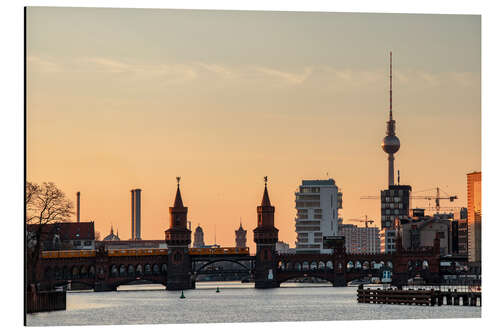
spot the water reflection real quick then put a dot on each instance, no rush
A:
(236, 302)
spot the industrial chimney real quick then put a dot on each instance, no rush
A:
(138, 213)
(77, 206)
(132, 205)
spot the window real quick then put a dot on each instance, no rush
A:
(77, 243)
(87, 243)
(307, 228)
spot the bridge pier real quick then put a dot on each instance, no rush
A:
(102, 286)
(180, 281)
(399, 279)
(339, 281)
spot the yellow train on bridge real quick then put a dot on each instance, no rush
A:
(219, 251)
(143, 252)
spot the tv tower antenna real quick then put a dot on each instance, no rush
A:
(390, 144)
(390, 90)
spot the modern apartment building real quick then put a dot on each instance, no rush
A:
(462, 232)
(474, 216)
(360, 240)
(317, 203)
(395, 203)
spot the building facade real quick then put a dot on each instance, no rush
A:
(241, 237)
(360, 240)
(420, 231)
(65, 235)
(284, 248)
(395, 204)
(317, 203)
(462, 232)
(132, 244)
(198, 238)
(474, 216)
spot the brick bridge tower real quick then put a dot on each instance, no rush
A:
(265, 237)
(178, 237)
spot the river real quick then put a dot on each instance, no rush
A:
(236, 302)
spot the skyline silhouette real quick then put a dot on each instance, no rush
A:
(131, 98)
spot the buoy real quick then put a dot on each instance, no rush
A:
(217, 291)
(182, 294)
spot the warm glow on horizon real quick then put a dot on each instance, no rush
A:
(119, 99)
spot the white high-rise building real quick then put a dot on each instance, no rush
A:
(360, 240)
(317, 204)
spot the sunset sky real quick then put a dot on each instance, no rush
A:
(131, 98)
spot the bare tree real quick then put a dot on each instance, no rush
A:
(44, 204)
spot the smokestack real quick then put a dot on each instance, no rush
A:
(77, 206)
(138, 213)
(132, 233)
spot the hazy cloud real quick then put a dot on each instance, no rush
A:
(179, 73)
(42, 65)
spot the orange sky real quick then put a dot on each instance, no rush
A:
(124, 98)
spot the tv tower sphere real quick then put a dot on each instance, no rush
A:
(390, 144)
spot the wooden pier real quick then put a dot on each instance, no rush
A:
(45, 301)
(420, 296)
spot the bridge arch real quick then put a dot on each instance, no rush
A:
(219, 260)
(315, 274)
(113, 271)
(75, 272)
(349, 265)
(91, 271)
(84, 272)
(123, 270)
(139, 271)
(129, 280)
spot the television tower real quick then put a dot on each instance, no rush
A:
(391, 144)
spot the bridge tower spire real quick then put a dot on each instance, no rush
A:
(265, 237)
(178, 238)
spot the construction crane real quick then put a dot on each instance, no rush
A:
(366, 221)
(436, 198)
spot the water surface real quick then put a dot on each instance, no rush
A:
(236, 302)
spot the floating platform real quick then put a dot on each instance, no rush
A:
(420, 296)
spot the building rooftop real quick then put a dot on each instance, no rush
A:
(66, 230)
(318, 182)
